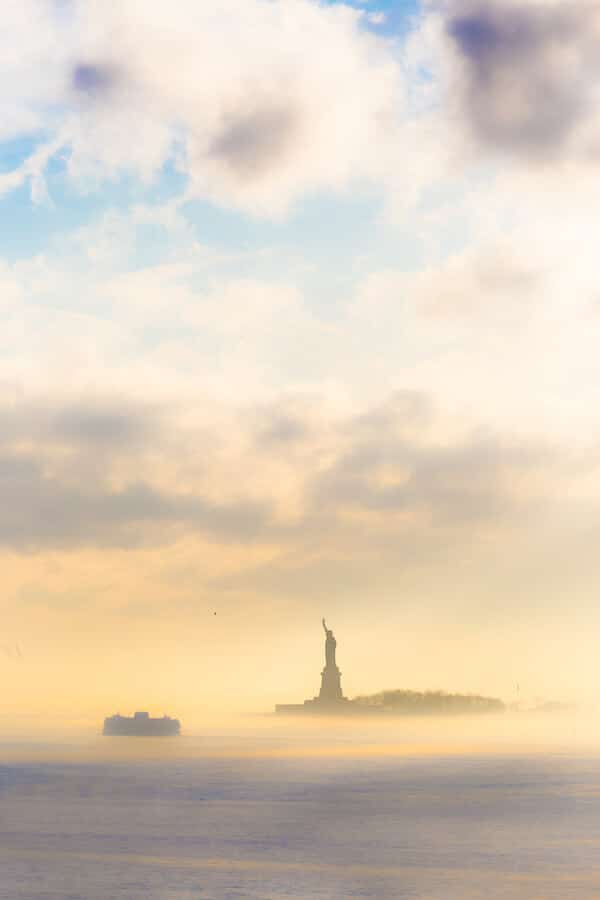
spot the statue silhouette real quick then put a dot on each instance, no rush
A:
(331, 688)
(330, 645)
(330, 698)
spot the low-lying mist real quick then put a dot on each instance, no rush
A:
(510, 732)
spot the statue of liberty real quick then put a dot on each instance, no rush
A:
(330, 645)
(330, 699)
(331, 687)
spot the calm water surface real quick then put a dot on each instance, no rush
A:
(440, 827)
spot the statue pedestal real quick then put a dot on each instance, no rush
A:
(331, 685)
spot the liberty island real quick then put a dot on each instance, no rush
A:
(331, 700)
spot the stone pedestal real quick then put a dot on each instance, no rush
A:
(331, 685)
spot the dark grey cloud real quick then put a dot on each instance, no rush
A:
(101, 424)
(395, 504)
(286, 425)
(385, 460)
(402, 412)
(57, 466)
(387, 466)
(529, 71)
(93, 79)
(82, 474)
(40, 510)
(283, 429)
(253, 141)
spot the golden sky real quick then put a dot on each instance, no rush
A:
(300, 319)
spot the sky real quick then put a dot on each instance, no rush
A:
(300, 319)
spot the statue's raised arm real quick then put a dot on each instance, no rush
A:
(325, 629)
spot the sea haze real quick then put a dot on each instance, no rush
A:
(199, 824)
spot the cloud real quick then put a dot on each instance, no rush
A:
(385, 471)
(256, 102)
(95, 422)
(42, 511)
(495, 284)
(115, 474)
(92, 79)
(528, 74)
(281, 427)
(472, 330)
(82, 473)
(34, 64)
(100, 426)
(252, 144)
(389, 493)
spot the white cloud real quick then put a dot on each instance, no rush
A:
(504, 332)
(34, 65)
(258, 101)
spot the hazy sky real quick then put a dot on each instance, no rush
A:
(301, 317)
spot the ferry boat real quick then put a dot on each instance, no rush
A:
(141, 725)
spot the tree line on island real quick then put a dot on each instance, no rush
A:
(428, 703)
